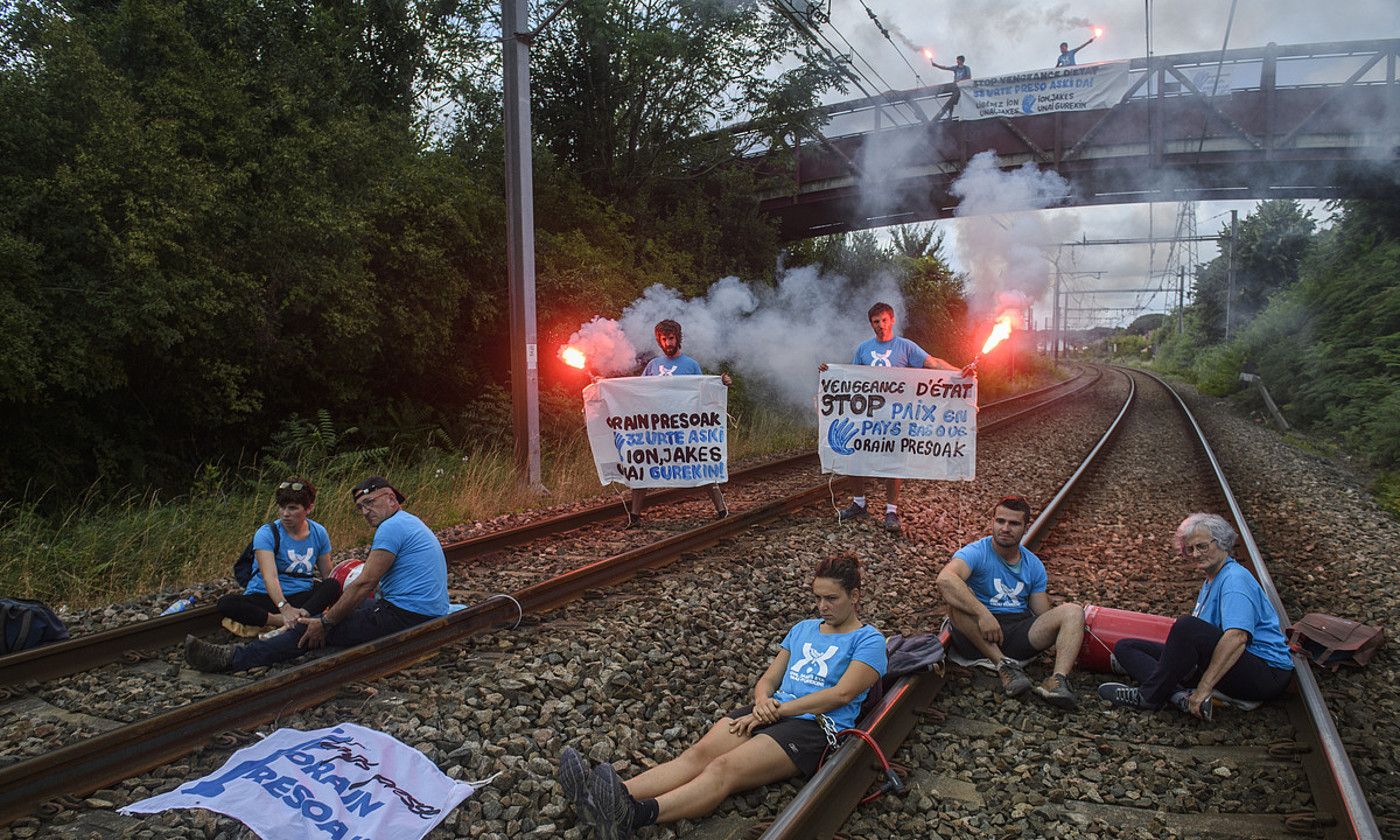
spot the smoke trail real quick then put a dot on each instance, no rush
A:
(606, 347)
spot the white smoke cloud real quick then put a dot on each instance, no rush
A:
(605, 346)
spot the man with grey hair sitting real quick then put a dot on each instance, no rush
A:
(1231, 641)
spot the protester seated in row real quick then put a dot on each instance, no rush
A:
(1231, 641)
(407, 566)
(996, 595)
(812, 689)
(287, 553)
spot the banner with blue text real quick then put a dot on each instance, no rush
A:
(1085, 87)
(897, 422)
(659, 431)
(342, 782)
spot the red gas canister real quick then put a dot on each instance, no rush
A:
(1104, 626)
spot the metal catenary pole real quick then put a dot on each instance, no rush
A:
(1230, 273)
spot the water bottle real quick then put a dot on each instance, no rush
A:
(180, 605)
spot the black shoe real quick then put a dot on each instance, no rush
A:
(1182, 700)
(634, 520)
(207, 656)
(609, 805)
(855, 511)
(721, 513)
(574, 779)
(1013, 679)
(1122, 694)
(892, 522)
(1056, 691)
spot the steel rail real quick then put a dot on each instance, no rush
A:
(1347, 790)
(118, 754)
(92, 650)
(828, 799)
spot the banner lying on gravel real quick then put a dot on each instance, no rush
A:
(1077, 88)
(344, 781)
(658, 431)
(897, 422)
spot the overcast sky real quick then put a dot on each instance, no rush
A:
(1007, 36)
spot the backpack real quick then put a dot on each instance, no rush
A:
(28, 624)
(247, 561)
(1331, 642)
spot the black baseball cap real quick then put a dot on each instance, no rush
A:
(369, 485)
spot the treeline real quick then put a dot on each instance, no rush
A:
(216, 215)
(1316, 313)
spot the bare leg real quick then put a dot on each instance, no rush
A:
(892, 486)
(1062, 628)
(759, 761)
(717, 497)
(638, 500)
(858, 487)
(664, 778)
(967, 625)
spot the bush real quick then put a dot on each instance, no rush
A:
(1216, 370)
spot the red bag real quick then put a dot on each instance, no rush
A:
(1331, 642)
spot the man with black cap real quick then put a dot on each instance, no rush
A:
(406, 565)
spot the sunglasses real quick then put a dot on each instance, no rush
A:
(293, 485)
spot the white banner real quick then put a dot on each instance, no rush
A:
(344, 781)
(1081, 88)
(658, 431)
(897, 422)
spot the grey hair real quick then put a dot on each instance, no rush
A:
(1216, 526)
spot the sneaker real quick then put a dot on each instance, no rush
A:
(892, 522)
(855, 511)
(1013, 680)
(1122, 694)
(634, 520)
(1057, 692)
(722, 513)
(1116, 667)
(240, 629)
(1182, 700)
(573, 779)
(207, 656)
(608, 806)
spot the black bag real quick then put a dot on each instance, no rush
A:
(28, 624)
(246, 562)
(904, 655)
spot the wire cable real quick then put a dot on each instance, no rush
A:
(1219, 65)
(883, 31)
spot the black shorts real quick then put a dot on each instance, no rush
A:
(1015, 638)
(801, 738)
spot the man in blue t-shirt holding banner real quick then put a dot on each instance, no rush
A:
(406, 566)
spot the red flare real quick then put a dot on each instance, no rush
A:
(573, 357)
(1000, 332)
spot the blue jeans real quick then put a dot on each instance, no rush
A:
(1164, 669)
(369, 621)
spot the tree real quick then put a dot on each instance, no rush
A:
(1273, 241)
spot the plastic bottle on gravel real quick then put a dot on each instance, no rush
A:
(180, 605)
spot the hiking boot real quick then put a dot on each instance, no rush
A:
(892, 522)
(207, 656)
(1122, 694)
(609, 805)
(1013, 680)
(574, 779)
(855, 511)
(1182, 700)
(1057, 692)
(240, 629)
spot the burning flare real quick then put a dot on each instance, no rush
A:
(573, 357)
(928, 54)
(1000, 332)
(1098, 31)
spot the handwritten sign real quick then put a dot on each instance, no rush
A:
(1078, 88)
(897, 422)
(658, 431)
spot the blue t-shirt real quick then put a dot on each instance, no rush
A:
(818, 660)
(417, 581)
(1066, 59)
(961, 72)
(897, 352)
(1001, 588)
(297, 557)
(1234, 600)
(681, 365)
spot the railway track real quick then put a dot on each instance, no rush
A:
(1280, 770)
(126, 750)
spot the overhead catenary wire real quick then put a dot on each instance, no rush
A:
(883, 31)
(1219, 65)
(878, 82)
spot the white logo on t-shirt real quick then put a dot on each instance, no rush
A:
(1007, 597)
(878, 359)
(298, 563)
(662, 370)
(811, 657)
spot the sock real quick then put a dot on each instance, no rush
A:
(644, 812)
(889, 508)
(860, 500)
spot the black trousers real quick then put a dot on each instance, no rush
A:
(1163, 669)
(369, 621)
(252, 610)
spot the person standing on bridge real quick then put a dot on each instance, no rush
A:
(961, 72)
(407, 567)
(1067, 55)
(672, 362)
(1231, 640)
(1000, 612)
(886, 350)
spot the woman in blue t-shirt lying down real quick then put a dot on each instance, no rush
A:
(1231, 641)
(814, 685)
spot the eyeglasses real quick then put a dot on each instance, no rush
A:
(293, 485)
(1198, 548)
(368, 501)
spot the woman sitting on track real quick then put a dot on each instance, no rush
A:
(1231, 640)
(837, 659)
(283, 587)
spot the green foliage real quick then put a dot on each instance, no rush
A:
(1216, 370)
(1273, 240)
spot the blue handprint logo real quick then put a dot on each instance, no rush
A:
(839, 434)
(617, 441)
(1028, 104)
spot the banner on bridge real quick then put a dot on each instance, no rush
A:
(1082, 88)
(897, 422)
(658, 431)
